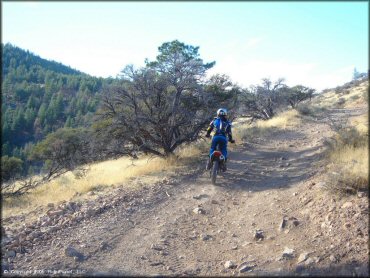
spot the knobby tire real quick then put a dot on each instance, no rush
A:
(214, 171)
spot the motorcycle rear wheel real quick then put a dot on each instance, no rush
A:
(214, 171)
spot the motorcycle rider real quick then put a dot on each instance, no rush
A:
(222, 130)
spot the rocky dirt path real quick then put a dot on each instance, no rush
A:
(268, 215)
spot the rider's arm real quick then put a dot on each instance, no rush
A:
(229, 133)
(210, 128)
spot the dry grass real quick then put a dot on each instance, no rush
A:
(348, 158)
(345, 98)
(283, 121)
(101, 176)
(361, 123)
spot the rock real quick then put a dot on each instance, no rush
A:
(302, 257)
(156, 264)
(283, 223)
(309, 261)
(360, 194)
(156, 247)
(53, 229)
(205, 237)
(247, 243)
(290, 222)
(288, 253)
(234, 247)
(259, 235)
(294, 220)
(90, 212)
(72, 206)
(311, 184)
(36, 234)
(321, 184)
(200, 196)
(50, 205)
(246, 266)
(199, 211)
(10, 254)
(230, 264)
(347, 205)
(333, 259)
(331, 208)
(295, 193)
(164, 253)
(104, 246)
(347, 225)
(72, 252)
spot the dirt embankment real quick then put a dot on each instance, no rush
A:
(269, 215)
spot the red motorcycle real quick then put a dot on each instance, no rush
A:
(217, 164)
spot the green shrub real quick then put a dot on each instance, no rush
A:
(305, 109)
(310, 110)
(341, 101)
(10, 167)
(355, 97)
(365, 95)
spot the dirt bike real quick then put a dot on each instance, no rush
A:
(217, 164)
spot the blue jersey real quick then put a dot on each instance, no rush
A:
(221, 127)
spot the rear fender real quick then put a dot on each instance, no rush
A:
(217, 155)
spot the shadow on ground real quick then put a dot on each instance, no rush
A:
(269, 168)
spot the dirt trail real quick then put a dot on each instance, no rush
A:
(159, 233)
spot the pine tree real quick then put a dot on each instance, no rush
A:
(356, 74)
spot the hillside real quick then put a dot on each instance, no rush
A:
(39, 97)
(16, 59)
(279, 210)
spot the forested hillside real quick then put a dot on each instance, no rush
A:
(40, 96)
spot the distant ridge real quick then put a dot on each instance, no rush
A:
(27, 58)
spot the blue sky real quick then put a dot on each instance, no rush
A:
(315, 44)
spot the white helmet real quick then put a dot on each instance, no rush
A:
(221, 112)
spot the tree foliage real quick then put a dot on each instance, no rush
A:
(63, 151)
(261, 101)
(157, 108)
(41, 96)
(297, 94)
(10, 167)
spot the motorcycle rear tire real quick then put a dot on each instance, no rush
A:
(214, 171)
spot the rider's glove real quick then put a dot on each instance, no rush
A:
(208, 135)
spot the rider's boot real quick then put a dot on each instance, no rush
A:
(224, 168)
